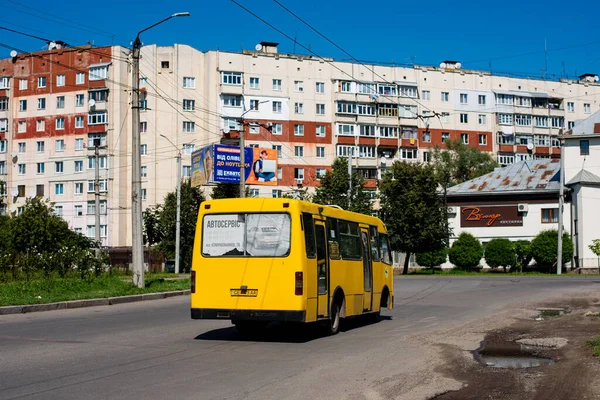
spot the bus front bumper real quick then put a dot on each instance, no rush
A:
(249, 315)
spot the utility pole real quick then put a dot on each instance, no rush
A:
(137, 244)
(561, 195)
(178, 220)
(350, 156)
(97, 193)
(242, 160)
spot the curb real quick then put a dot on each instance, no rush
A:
(109, 301)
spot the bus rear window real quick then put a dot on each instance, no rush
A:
(246, 235)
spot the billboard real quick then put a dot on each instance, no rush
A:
(221, 164)
(484, 216)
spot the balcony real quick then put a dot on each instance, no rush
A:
(231, 89)
(345, 96)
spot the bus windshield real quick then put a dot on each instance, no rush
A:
(242, 234)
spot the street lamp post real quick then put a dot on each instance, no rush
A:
(137, 245)
(178, 218)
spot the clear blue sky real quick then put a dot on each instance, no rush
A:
(427, 32)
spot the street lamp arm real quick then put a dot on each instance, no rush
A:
(180, 14)
(177, 148)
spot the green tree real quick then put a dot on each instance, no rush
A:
(152, 229)
(466, 252)
(333, 189)
(544, 248)
(595, 247)
(523, 252)
(300, 194)
(163, 223)
(413, 210)
(223, 190)
(432, 259)
(500, 252)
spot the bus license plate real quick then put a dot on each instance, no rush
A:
(244, 292)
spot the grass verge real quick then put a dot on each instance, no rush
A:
(595, 343)
(50, 290)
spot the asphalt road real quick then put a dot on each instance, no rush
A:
(153, 350)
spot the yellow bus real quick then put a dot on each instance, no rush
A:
(260, 260)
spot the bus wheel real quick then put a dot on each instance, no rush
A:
(334, 319)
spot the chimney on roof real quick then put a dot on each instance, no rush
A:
(588, 78)
(267, 47)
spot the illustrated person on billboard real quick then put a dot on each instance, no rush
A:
(208, 165)
(262, 174)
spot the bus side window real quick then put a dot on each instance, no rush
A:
(333, 238)
(386, 255)
(350, 243)
(309, 234)
(375, 243)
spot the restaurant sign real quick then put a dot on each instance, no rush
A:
(490, 216)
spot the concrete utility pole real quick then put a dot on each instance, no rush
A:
(561, 200)
(97, 193)
(137, 244)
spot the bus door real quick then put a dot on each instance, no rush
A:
(322, 270)
(367, 269)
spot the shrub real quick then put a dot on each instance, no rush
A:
(466, 252)
(544, 248)
(500, 253)
(431, 259)
(523, 252)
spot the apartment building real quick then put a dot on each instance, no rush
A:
(55, 103)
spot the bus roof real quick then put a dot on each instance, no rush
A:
(257, 204)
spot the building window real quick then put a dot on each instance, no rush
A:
(366, 130)
(22, 105)
(98, 118)
(387, 110)
(320, 152)
(505, 119)
(60, 80)
(345, 87)
(79, 100)
(144, 149)
(231, 78)
(164, 64)
(299, 108)
(426, 94)
(21, 126)
(320, 131)
(541, 140)
(41, 168)
(188, 148)
(482, 119)
(541, 122)
(41, 103)
(482, 140)
(79, 122)
(426, 136)
(40, 125)
(3, 125)
(278, 148)
(522, 120)
(587, 108)
(189, 82)
(299, 151)
(22, 147)
(78, 210)
(298, 129)
(299, 86)
(345, 151)
(320, 109)
(101, 162)
(277, 84)
(345, 129)
(59, 189)
(464, 98)
(388, 131)
(229, 101)
(21, 191)
(22, 84)
(79, 187)
(254, 83)
(41, 82)
(320, 87)
(189, 126)
(276, 193)
(276, 106)
(3, 103)
(445, 97)
(481, 99)
(254, 104)
(59, 167)
(505, 160)
(40, 146)
(189, 105)
(387, 90)
(299, 173)
(321, 172)
(187, 171)
(58, 210)
(549, 215)
(98, 73)
(584, 147)
(464, 138)
(277, 129)
(103, 188)
(60, 145)
(426, 156)
(92, 137)
(3, 146)
(408, 154)
(366, 151)
(100, 96)
(80, 78)
(571, 106)
(78, 166)
(346, 108)
(464, 118)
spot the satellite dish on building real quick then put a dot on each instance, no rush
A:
(14, 192)
(443, 65)
(13, 53)
(226, 130)
(383, 160)
(529, 146)
(458, 65)
(92, 102)
(258, 47)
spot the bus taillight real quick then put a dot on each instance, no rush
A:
(193, 287)
(299, 284)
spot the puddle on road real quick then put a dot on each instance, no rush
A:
(551, 312)
(509, 355)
